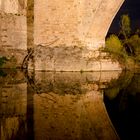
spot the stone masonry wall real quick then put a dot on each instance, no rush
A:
(73, 22)
(13, 31)
(69, 33)
(72, 58)
(13, 6)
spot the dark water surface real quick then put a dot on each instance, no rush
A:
(122, 100)
(68, 105)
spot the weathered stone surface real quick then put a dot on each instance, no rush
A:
(71, 58)
(73, 22)
(13, 6)
(66, 24)
(13, 31)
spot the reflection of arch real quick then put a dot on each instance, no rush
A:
(70, 104)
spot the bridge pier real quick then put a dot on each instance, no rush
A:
(68, 34)
(64, 35)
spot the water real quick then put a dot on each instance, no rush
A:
(122, 99)
(68, 105)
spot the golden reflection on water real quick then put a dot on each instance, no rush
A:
(48, 105)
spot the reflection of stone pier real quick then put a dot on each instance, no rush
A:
(13, 105)
(72, 117)
(70, 106)
(54, 106)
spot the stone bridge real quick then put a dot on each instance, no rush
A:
(65, 35)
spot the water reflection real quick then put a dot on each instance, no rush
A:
(13, 105)
(122, 99)
(56, 106)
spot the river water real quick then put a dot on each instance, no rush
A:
(122, 100)
(69, 105)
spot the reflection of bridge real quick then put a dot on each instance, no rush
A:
(65, 35)
(68, 105)
(13, 105)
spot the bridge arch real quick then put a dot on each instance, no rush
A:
(74, 22)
